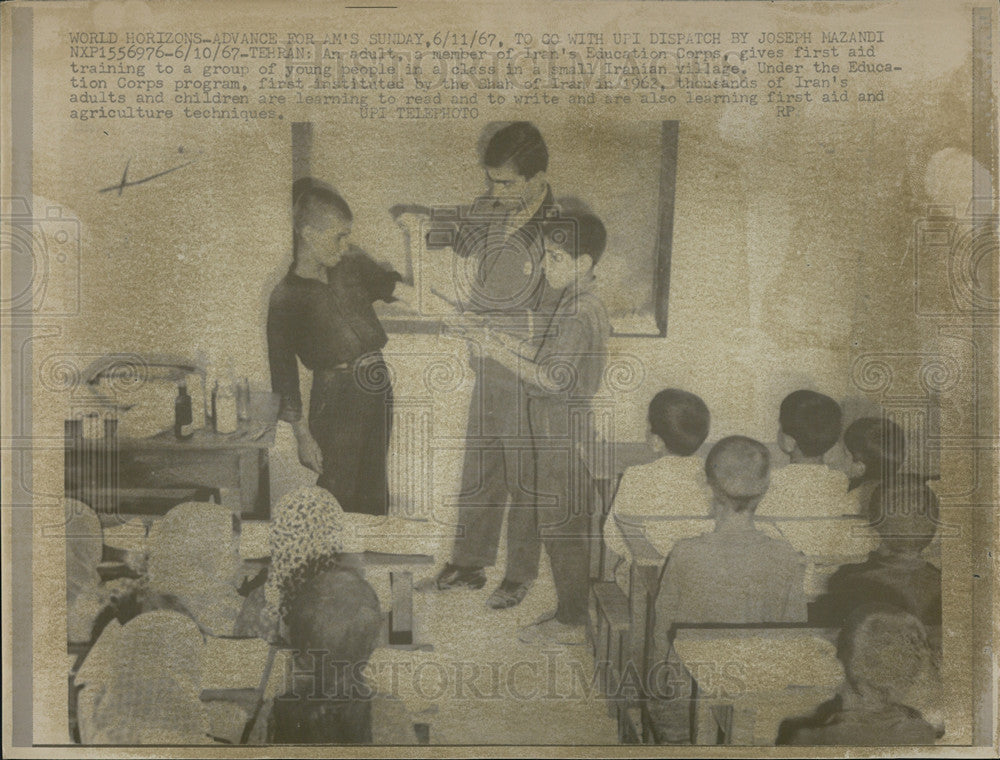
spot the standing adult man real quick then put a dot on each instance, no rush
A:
(499, 274)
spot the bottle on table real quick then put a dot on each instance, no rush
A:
(226, 420)
(210, 388)
(183, 417)
(243, 400)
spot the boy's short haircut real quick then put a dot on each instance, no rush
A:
(812, 419)
(680, 419)
(740, 468)
(520, 144)
(311, 196)
(591, 236)
(904, 511)
(885, 652)
(877, 442)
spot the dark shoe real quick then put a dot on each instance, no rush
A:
(508, 594)
(455, 576)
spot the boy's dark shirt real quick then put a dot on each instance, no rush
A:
(832, 725)
(324, 324)
(900, 580)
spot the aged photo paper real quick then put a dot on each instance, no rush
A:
(499, 379)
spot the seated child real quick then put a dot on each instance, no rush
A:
(877, 447)
(734, 574)
(332, 622)
(905, 514)
(809, 427)
(890, 674)
(673, 485)
(331, 616)
(141, 681)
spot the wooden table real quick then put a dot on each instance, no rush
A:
(111, 470)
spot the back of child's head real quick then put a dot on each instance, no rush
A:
(738, 469)
(333, 625)
(904, 511)
(885, 654)
(878, 443)
(521, 145)
(680, 419)
(812, 420)
(336, 612)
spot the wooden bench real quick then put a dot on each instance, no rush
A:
(611, 658)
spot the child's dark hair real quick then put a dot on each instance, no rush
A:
(905, 512)
(680, 419)
(876, 442)
(812, 419)
(520, 144)
(590, 235)
(309, 195)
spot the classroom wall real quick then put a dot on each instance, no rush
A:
(791, 252)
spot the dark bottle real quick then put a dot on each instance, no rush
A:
(183, 418)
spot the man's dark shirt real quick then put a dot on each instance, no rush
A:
(500, 272)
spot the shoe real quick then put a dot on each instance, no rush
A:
(457, 577)
(508, 594)
(545, 616)
(553, 633)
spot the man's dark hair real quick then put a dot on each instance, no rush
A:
(876, 442)
(812, 419)
(680, 419)
(333, 624)
(520, 144)
(591, 237)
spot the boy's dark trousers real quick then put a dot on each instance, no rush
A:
(350, 416)
(498, 465)
(563, 490)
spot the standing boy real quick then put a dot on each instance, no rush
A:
(561, 372)
(321, 313)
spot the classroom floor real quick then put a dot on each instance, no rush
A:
(481, 685)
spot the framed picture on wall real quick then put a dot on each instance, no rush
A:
(440, 193)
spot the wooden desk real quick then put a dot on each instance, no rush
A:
(749, 677)
(400, 623)
(106, 470)
(645, 570)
